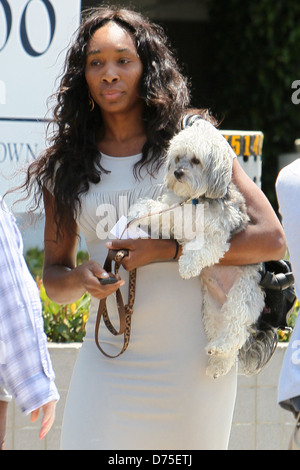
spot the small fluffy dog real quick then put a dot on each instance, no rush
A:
(199, 173)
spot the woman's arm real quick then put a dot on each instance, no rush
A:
(263, 239)
(65, 282)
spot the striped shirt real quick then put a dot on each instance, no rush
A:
(25, 365)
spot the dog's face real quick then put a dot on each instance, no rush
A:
(199, 162)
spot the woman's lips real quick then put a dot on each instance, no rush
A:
(112, 95)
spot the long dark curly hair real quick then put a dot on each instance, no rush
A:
(72, 160)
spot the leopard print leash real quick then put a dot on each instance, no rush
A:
(125, 311)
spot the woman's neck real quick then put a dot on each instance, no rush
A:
(122, 136)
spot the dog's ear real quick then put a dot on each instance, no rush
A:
(216, 157)
(219, 171)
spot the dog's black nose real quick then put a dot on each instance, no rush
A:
(179, 173)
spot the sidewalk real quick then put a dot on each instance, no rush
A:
(259, 423)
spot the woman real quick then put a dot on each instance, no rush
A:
(121, 100)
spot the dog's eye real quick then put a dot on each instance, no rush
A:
(177, 160)
(195, 161)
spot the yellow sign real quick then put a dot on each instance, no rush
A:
(245, 143)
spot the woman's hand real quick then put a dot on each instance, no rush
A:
(3, 419)
(89, 274)
(65, 285)
(144, 251)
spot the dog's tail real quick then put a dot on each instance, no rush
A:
(258, 349)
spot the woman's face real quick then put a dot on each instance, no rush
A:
(113, 70)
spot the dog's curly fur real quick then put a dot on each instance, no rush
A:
(199, 167)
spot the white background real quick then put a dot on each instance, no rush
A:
(30, 80)
(26, 82)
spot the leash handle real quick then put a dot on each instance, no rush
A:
(125, 311)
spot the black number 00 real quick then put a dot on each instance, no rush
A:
(23, 30)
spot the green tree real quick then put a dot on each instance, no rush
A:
(255, 59)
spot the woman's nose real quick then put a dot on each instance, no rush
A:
(110, 75)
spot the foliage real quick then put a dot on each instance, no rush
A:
(35, 260)
(284, 336)
(62, 323)
(254, 61)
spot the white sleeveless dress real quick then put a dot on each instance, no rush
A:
(156, 395)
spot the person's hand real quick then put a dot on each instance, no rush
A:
(143, 251)
(48, 417)
(89, 275)
(3, 418)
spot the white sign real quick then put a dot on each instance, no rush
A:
(34, 35)
(20, 144)
(34, 38)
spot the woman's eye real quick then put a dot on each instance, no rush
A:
(124, 61)
(96, 63)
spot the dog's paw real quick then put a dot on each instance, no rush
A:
(211, 351)
(219, 366)
(214, 373)
(184, 272)
(186, 269)
(218, 350)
